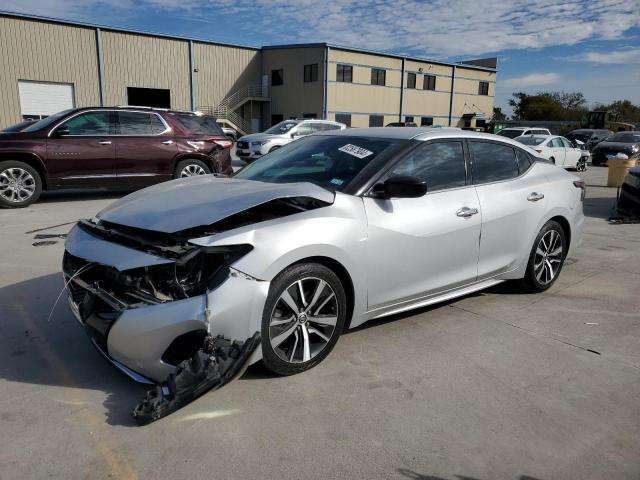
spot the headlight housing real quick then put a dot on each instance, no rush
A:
(259, 143)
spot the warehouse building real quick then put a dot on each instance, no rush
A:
(51, 65)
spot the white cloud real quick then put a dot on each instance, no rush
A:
(620, 57)
(532, 80)
(440, 28)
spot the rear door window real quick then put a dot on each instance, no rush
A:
(440, 164)
(493, 162)
(139, 124)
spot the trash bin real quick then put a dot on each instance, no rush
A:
(619, 165)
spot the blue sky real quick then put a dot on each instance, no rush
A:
(592, 46)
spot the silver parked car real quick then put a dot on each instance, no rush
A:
(325, 234)
(250, 147)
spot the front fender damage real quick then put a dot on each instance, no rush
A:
(216, 364)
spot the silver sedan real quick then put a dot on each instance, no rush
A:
(319, 236)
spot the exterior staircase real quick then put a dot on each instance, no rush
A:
(226, 111)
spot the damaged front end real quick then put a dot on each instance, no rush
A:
(167, 311)
(215, 365)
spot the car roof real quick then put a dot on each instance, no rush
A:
(524, 128)
(139, 108)
(417, 133)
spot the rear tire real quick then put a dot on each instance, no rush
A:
(20, 184)
(191, 168)
(546, 258)
(552, 160)
(303, 317)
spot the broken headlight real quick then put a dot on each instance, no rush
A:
(193, 274)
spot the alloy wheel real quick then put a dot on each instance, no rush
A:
(192, 170)
(548, 257)
(582, 165)
(16, 184)
(303, 320)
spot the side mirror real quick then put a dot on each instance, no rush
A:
(61, 132)
(400, 186)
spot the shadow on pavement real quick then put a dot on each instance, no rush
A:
(599, 207)
(57, 352)
(418, 476)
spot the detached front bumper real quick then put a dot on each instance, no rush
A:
(147, 341)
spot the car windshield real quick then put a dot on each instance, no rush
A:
(45, 122)
(510, 133)
(530, 140)
(280, 128)
(200, 125)
(625, 137)
(331, 162)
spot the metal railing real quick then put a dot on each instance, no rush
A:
(225, 110)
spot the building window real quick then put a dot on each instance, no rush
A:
(408, 119)
(311, 72)
(344, 118)
(426, 121)
(411, 80)
(429, 82)
(376, 120)
(344, 73)
(378, 76)
(276, 118)
(277, 77)
(309, 115)
(483, 88)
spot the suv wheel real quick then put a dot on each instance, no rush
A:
(20, 184)
(191, 168)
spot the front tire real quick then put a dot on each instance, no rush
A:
(552, 160)
(191, 168)
(546, 258)
(20, 184)
(582, 165)
(273, 149)
(303, 317)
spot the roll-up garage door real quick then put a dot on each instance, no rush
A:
(40, 99)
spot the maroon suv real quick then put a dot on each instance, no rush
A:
(117, 147)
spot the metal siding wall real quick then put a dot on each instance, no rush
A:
(223, 70)
(47, 52)
(132, 60)
(295, 97)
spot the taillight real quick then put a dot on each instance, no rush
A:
(582, 185)
(539, 151)
(223, 143)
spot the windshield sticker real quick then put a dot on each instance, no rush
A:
(356, 151)
(336, 181)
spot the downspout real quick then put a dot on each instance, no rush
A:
(192, 83)
(100, 66)
(453, 83)
(326, 82)
(401, 91)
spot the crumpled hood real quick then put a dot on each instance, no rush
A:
(255, 137)
(177, 205)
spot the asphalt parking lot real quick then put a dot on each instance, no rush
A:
(498, 384)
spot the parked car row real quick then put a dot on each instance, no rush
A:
(558, 150)
(119, 147)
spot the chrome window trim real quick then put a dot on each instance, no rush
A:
(77, 114)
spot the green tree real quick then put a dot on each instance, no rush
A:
(548, 106)
(627, 111)
(498, 114)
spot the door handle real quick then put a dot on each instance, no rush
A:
(466, 212)
(168, 142)
(105, 142)
(535, 196)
